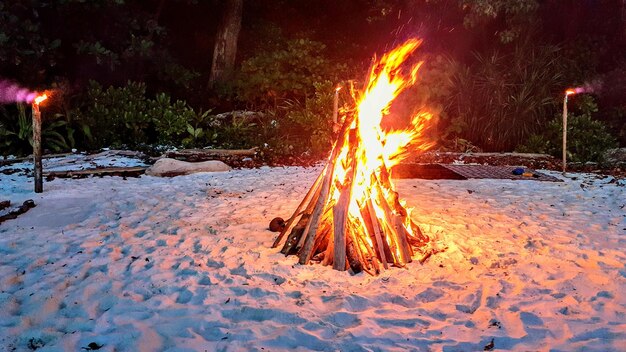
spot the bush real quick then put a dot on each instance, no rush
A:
(117, 116)
(313, 120)
(123, 116)
(170, 120)
(587, 138)
(16, 132)
(504, 98)
(290, 72)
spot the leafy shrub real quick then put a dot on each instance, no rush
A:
(305, 126)
(288, 72)
(536, 143)
(199, 130)
(432, 92)
(170, 120)
(504, 98)
(118, 116)
(124, 116)
(16, 133)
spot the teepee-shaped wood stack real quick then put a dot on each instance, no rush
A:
(352, 217)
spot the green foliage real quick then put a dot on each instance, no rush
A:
(118, 116)
(309, 124)
(170, 120)
(288, 72)
(101, 54)
(432, 92)
(503, 99)
(587, 138)
(124, 116)
(16, 134)
(24, 48)
(198, 130)
(515, 13)
(535, 143)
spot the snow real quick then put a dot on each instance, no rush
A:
(185, 264)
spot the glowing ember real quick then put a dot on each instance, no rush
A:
(360, 216)
(40, 98)
(577, 90)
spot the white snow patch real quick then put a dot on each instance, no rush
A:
(185, 263)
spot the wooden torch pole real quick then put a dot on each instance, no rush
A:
(37, 148)
(565, 133)
(336, 109)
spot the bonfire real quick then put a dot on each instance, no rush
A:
(352, 217)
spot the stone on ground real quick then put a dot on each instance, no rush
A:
(167, 167)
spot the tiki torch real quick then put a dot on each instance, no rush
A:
(336, 108)
(37, 142)
(567, 93)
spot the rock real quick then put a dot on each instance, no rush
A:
(277, 225)
(167, 167)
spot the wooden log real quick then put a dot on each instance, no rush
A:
(311, 232)
(367, 253)
(352, 255)
(328, 256)
(341, 208)
(377, 234)
(393, 233)
(294, 239)
(208, 154)
(5, 204)
(294, 236)
(340, 217)
(134, 171)
(405, 247)
(321, 243)
(14, 213)
(305, 202)
(368, 240)
(418, 239)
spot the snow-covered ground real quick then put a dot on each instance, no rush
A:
(185, 264)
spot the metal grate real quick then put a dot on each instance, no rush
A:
(464, 172)
(497, 172)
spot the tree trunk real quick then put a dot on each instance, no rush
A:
(225, 49)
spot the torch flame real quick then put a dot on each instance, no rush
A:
(40, 98)
(570, 92)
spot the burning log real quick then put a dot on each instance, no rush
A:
(351, 217)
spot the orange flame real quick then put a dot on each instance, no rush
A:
(570, 92)
(369, 151)
(40, 98)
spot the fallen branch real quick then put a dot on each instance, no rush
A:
(105, 171)
(208, 154)
(14, 213)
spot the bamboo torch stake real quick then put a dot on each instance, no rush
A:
(336, 109)
(567, 93)
(38, 172)
(565, 132)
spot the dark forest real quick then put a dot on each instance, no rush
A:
(140, 74)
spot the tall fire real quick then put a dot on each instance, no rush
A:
(352, 217)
